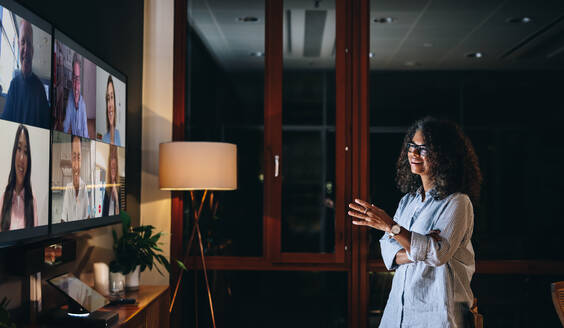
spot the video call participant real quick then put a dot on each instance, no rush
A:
(75, 202)
(19, 208)
(75, 116)
(112, 136)
(111, 204)
(26, 101)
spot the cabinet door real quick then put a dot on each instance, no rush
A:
(157, 314)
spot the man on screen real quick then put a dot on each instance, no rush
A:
(75, 202)
(26, 101)
(75, 117)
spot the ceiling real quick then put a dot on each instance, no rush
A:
(423, 35)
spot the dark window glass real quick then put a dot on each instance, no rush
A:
(225, 102)
(512, 119)
(308, 131)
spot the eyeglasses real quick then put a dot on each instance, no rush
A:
(76, 79)
(421, 149)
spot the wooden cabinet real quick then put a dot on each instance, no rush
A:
(151, 310)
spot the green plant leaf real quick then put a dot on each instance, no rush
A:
(181, 265)
(137, 246)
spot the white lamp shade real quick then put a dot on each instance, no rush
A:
(197, 166)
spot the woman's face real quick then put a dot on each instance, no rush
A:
(417, 156)
(113, 170)
(110, 100)
(21, 160)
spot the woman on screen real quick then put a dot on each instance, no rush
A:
(111, 204)
(112, 136)
(19, 209)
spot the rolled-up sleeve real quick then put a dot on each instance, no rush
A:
(454, 222)
(390, 247)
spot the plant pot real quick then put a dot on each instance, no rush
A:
(117, 285)
(132, 280)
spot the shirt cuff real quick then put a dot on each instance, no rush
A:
(419, 245)
(389, 251)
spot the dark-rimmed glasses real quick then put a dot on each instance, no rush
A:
(421, 149)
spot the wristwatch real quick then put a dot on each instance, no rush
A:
(396, 229)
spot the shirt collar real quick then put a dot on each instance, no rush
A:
(20, 194)
(428, 194)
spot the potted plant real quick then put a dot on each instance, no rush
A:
(135, 250)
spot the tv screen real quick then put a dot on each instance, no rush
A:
(63, 132)
(88, 155)
(25, 80)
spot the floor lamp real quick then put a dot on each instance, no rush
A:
(195, 166)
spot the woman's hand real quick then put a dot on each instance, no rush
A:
(370, 215)
(401, 257)
(435, 235)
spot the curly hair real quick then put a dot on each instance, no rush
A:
(453, 162)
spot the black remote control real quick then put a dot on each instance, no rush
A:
(122, 301)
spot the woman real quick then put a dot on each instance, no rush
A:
(428, 240)
(112, 136)
(19, 209)
(111, 196)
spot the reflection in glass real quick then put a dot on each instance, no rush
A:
(226, 86)
(385, 146)
(308, 131)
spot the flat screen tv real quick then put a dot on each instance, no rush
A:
(25, 83)
(62, 132)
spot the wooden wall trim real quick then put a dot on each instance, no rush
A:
(272, 127)
(178, 128)
(527, 267)
(261, 264)
(362, 68)
(516, 267)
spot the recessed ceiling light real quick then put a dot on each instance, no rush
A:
(257, 54)
(412, 63)
(248, 19)
(519, 20)
(384, 20)
(371, 55)
(475, 55)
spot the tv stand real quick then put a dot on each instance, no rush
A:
(151, 309)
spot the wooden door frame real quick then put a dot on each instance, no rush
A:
(351, 174)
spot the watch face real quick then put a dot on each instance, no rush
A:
(396, 229)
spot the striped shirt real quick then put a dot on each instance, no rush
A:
(434, 290)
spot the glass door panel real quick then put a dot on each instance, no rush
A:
(308, 127)
(225, 102)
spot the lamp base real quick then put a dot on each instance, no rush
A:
(195, 230)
